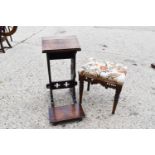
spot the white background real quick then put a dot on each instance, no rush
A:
(77, 13)
(75, 142)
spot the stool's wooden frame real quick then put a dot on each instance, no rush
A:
(104, 83)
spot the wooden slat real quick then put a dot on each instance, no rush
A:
(62, 85)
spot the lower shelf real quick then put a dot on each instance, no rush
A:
(66, 113)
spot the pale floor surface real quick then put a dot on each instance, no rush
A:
(24, 99)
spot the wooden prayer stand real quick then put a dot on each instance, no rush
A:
(55, 48)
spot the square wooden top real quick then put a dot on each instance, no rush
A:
(59, 44)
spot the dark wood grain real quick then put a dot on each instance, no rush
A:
(67, 112)
(59, 44)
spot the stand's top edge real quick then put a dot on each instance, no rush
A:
(60, 37)
(60, 43)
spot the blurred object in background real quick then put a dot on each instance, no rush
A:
(6, 31)
(153, 65)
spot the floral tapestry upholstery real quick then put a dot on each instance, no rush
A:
(106, 71)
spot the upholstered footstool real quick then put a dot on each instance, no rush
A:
(109, 75)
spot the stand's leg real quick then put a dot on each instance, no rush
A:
(2, 47)
(73, 93)
(52, 100)
(88, 86)
(73, 76)
(11, 38)
(116, 98)
(50, 81)
(81, 86)
(8, 42)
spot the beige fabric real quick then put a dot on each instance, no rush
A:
(106, 71)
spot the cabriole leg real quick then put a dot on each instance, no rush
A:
(81, 87)
(116, 98)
